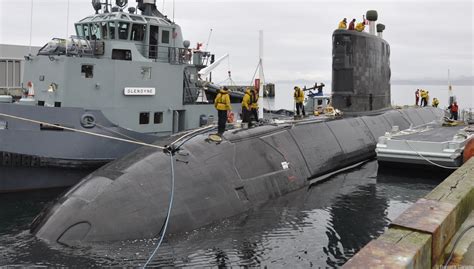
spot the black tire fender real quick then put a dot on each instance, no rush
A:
(88, 120)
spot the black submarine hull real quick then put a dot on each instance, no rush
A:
(128, 198)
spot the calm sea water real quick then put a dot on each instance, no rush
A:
(322, 226)
(401, 95)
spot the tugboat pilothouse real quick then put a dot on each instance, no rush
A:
(124, 74)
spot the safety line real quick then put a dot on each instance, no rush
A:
(167, 216)
(82, 131)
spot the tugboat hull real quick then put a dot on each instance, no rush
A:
(35, 156)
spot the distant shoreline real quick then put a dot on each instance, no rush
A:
(421, 83)
(433, 82)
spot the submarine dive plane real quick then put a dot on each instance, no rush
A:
(124, 74)
(129, 197)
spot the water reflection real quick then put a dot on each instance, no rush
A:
(322, 226)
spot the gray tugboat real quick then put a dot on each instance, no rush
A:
(126, 75)
(211, 181)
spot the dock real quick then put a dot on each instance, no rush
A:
(437, 230)
(433, 144)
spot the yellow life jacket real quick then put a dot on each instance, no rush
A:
(254, 100)
(342, 25)
(222, 101)
(299, 96)
(246, 101)
(360, 27)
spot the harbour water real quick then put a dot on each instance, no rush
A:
(322, 226)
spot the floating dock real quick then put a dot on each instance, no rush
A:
(431, 144)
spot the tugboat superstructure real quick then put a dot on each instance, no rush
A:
(124, 74)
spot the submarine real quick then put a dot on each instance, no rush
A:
(129, 198)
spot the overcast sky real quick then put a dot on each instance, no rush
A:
(426, 37)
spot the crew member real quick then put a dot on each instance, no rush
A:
(453, 108)
(299, 99)
(417, 96)
(222, 104)
(360, 27)
(423, 97)
(246, 102)
(427, 98)
(352, 25)
(343, 24)
(435, 102)
(254, 104)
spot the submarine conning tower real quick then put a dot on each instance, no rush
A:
(361, 69)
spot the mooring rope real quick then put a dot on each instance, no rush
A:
(167, 215)
(82, 131)
(431, 162)
(445, 266)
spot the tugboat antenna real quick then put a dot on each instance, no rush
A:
(208, 39)
(67, 24)
(31, 24)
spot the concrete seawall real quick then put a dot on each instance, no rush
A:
(423, 236)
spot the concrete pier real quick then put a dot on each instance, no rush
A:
(423, 236)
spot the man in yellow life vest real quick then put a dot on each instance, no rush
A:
(298, 95)
(254, 104)
(342, 24)
(435, 102)
(246, 103)
(360, 27)
(222, 104)
(424, 99)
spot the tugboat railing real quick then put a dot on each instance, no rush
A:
(79, 46)
(174, 55)
(74, 46)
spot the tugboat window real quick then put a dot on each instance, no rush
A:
(144, 118)
(95, 32)
(121, 55)
(79, 31)
(138, 32)
(87, 71)
(112, 29)
(103, 26)
(86, 31)
(153, 42)
(123, 30)
(165, 37)
(158, 118)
